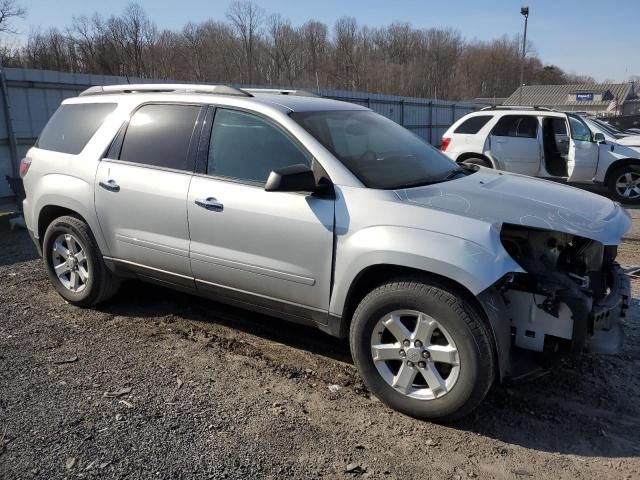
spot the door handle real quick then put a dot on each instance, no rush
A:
(210, 204)
(110, 185)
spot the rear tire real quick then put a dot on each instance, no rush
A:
(74, 263)
(624, 184)
(477, 161)
(440, 390)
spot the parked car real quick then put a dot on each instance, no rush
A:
(544, 143)
(445, 278)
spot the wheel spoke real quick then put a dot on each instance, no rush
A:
(71, 243)
(80, 256)
(628, 177)
(60, 250)
(83, 274)
(74, 280)
(387, 351)
(404, 378)
(62, 269)
(433, 378)
(397, 328)
(424, 329)
(444, 354)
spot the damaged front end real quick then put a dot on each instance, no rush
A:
(572, 297)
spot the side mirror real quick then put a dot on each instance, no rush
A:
(296, 178)
(598, 137)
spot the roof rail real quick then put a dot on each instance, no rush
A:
(280, 91)
(164, 87)
(518, 107)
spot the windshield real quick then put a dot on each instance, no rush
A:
(597, 128)
(378, 151)
(609, 128)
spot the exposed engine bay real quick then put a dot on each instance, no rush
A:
(573, 296)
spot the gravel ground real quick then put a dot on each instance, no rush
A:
(160, 384)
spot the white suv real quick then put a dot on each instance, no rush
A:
(544, 143)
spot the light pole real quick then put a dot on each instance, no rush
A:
(524, 11)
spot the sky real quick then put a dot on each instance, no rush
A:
(580, 36)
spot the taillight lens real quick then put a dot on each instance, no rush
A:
(25, 163)
(445, 143)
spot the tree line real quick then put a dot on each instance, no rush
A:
(253, 47)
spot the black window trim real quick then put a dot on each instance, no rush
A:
(116, 143)
(205, 144)
(489, 117)
(520, 115)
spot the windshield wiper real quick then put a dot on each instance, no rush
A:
(453, 173)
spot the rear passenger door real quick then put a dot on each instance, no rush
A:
(515, 145)
(269, 249)
(141, 191)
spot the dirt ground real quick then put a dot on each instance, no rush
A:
(157, 384)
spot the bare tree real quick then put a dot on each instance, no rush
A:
(246, 19)
(252, 48)
(10, 10)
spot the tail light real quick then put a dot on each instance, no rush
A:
(445, 143)
(25, 163)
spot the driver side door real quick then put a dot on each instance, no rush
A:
(267, 249)
(583, 152)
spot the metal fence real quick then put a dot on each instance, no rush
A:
(29, 97)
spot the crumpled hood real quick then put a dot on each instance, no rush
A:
(500, 197)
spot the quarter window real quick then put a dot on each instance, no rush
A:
(246, 147)
(523, 126)
(72, 126)
(473, 124)
(159, 135)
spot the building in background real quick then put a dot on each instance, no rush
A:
(602, 99)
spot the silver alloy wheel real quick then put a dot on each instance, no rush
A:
(415, 354)
(628, 185)
(70, 262)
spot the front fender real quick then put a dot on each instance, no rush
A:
(474, 265)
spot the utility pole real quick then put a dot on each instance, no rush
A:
(524, 11)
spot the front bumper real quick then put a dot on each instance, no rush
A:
(607, 317)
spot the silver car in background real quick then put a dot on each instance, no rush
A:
(444, 277)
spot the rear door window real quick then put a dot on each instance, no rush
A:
(72, 126)
(473, 124)
(523, 126)
(160, 135)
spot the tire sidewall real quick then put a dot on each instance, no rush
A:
(62, 226)
(468, 351)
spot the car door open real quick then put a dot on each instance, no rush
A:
(268, 249)
(583, 152)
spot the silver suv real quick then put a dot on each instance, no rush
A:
(444, 277)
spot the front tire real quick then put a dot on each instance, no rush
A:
(624, 184)
(422, 349)
(74, 263)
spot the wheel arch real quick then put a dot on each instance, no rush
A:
(616, 165)
(468, 155)
(375, 275)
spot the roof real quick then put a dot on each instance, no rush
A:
(284, 100)
(557, 95)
